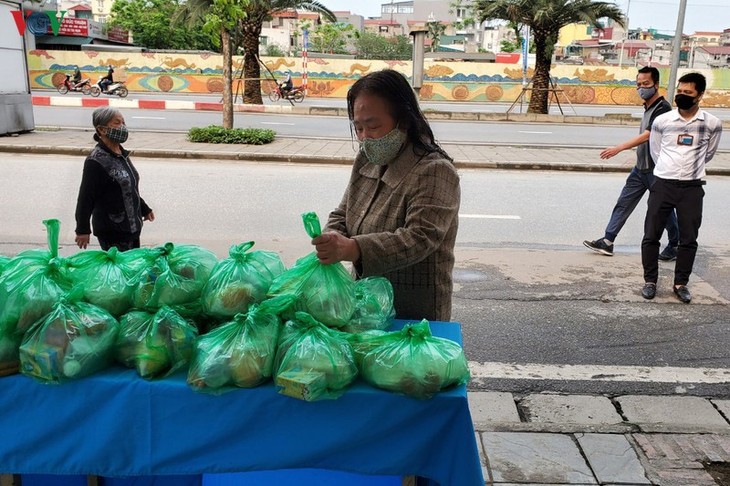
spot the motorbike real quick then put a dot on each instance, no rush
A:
(296, 94)
(83, 86)
(115, 89)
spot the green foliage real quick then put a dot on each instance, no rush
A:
(273, 50)
(435, 31)
(218, 134)
(150, 22)
(331, 37)
(372, 46)
(224, 14)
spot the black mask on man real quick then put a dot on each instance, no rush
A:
(684, 102)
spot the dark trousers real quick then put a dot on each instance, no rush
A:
(122, 245)
(665, 196)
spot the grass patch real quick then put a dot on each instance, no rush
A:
(218, 134)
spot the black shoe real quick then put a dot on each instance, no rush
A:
(648, 291)
(683, 293)
(668, 254)
(600, 246)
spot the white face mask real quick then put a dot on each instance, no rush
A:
(381, 151)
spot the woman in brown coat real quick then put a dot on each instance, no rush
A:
(399, 215)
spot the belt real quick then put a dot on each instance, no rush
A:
(684, 183)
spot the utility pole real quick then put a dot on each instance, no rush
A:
(626, 34)
(676, 46)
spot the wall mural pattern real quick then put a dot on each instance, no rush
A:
(331, 78)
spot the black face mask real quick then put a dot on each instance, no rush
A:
(684, 102)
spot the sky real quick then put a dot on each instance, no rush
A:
(701, 15)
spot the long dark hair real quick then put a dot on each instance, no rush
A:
(393, 88)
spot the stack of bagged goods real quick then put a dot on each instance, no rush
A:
(107, 277)
(239, 353)
(174, 276)
(313, 362)
(155, 344)
(373, 305)
(30, 285)
(75, 340)
(412, 361)
(326, 292)
(240, 280)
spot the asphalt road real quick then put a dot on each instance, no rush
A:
(526, 289)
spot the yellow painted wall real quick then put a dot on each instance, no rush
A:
(573, 32)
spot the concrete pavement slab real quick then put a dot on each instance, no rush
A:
(724, 407)
(673, 414)
(486, 407)
(572, 409)
(535, 458)
(612, 459)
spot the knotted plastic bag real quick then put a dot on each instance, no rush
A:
(414, 362)
(373, 305)
(155, 344)
(31, 284)
(239, 353)
(240, 280)
(175, 276)
(75, 340)
(326, 292)
(107, 277)
(313, 362)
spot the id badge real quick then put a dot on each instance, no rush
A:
(685, 139)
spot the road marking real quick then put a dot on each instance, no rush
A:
(276, 123)
(489, 216)
(540, 133)
(642, 374)
(149, 117)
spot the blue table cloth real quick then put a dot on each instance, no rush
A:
(117, 424)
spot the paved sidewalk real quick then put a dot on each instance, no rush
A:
(340, 151)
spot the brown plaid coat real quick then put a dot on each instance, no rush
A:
(404, 217)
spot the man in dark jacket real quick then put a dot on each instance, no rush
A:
(109, 192)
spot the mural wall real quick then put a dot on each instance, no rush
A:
(449, 81)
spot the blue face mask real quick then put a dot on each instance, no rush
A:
(647, 93)
(381, 151)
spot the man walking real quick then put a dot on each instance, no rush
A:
(641, 178)
(681, 142)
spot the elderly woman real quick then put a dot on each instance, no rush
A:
(109, 193)
(399, 215)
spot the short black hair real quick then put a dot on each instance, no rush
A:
(697, 79)
(394, 89)
(651, 70)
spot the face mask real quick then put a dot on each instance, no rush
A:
(117, 134)
(647, 93)
(684, 102)
(380, 151)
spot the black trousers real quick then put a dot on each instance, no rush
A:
(122, 245)
(664, 196)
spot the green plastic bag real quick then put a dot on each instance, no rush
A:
(175, 276)
(326, 292)
(240, 353)
(414, 362)
(31, 284)
(240, 280)
(373, 305)
(75, 340)
(313, 362)
(107, 277)
(155, 344)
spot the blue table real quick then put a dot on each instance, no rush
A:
(116, 424)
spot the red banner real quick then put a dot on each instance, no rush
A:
(118, 34)
(507, 57)
(73, 26)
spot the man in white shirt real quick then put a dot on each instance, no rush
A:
(681, 143)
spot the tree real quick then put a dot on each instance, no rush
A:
(220, 18)
(151, 25)
(256, 12)
(331, 37)
(435, 31)
(545, 19)
(369, 45)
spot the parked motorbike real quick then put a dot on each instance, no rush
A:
(296, 94)
(114, 89)
(83, 86)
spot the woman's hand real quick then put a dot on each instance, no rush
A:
(150, 217)
(332, 247)
(83, 241)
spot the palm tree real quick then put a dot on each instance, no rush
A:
(545, 19)
(435, 30)
(250, 27)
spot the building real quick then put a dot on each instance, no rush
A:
(101, 10)
(493, 36)
(346, 17)
(284, 29)
(704, 39)
(707, 57)
(386, 27)
(725, 37)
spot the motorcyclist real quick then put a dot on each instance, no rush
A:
(107, 80)
(76, 79)
(286, 85)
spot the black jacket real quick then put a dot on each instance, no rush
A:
(109, 196)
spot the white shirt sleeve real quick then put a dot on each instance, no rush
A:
(714, 142)
(655, 139)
